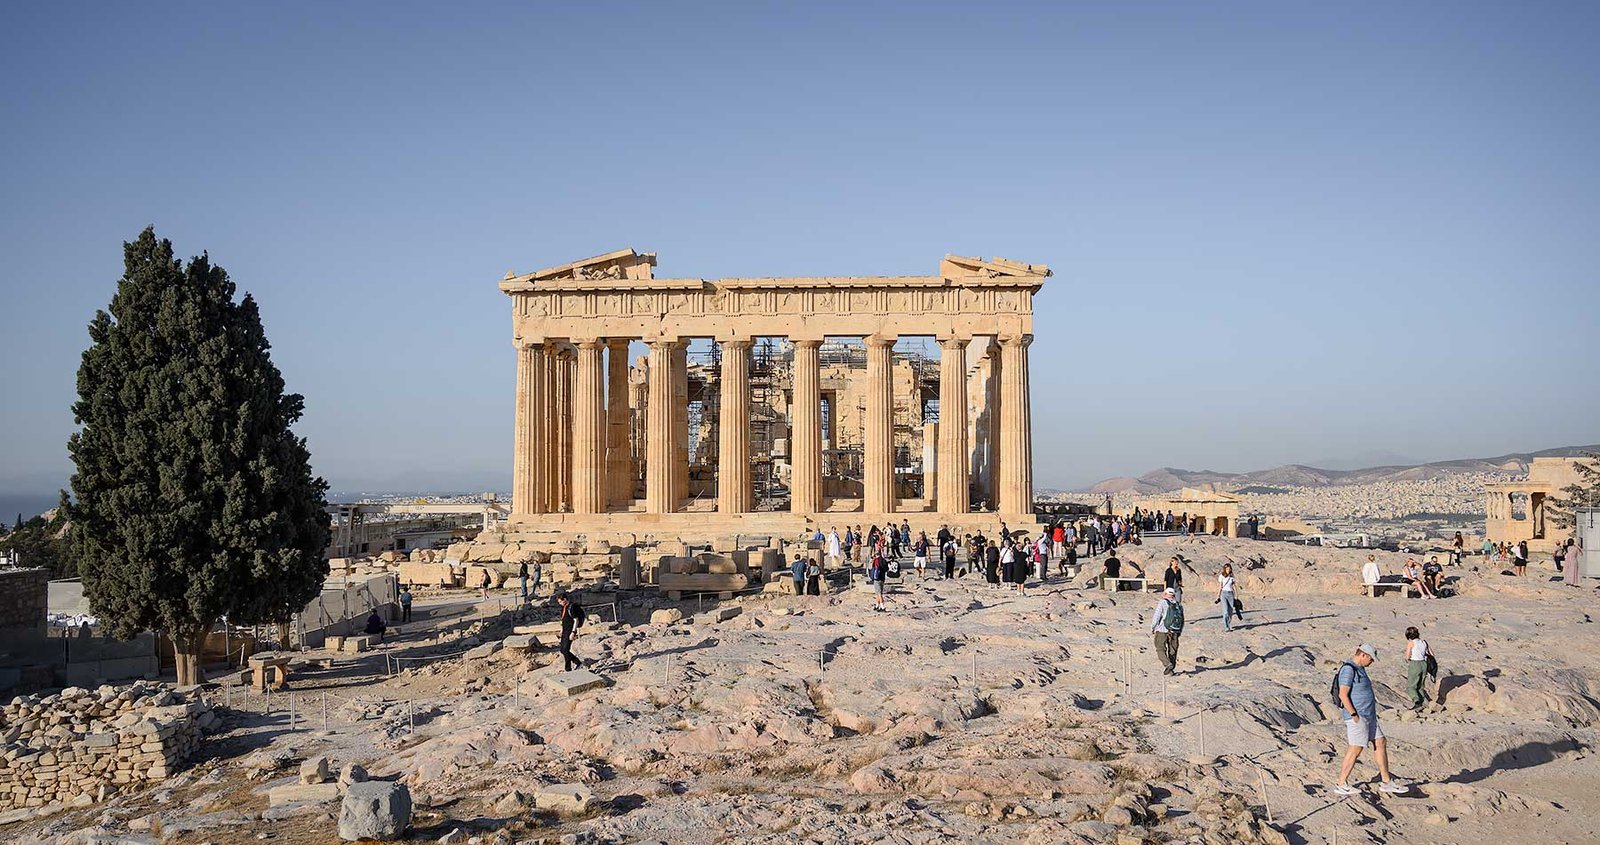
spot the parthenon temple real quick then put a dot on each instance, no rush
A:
(767, 403)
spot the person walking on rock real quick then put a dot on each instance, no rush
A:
(1574, 563)
(483, 585)
(572, 617)
(1417, 654)
(1359, 704)
(991, 563)
(798, 571)
(1519, 558)
(814, 578)
(522, 579)
(948, 549)
(919, 554)
(1166, 624)
(1173, 577)
(876, 575)
(538, 576)
(405, 604)
(835, 548)
(1226, 587)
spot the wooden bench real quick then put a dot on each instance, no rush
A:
(1377, 590)
(265, 666)
(1112, 585)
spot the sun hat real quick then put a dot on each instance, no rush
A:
(1369, 650)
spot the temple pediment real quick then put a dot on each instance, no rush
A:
(621, 264)
(956, 266)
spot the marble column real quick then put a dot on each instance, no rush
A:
(522, 440)
(954, 462)
(589, 430)
(878, 480)
(619, 458)
(680, 423)
(805, 435)
(548, 478)
(992, 433)
(733, 429)
(660, 472)
(566, 374)
(1016, 435)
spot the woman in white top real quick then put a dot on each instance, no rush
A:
(1417, 654)
(1414, 577)
(1225, 591)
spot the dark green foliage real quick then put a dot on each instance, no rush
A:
(1584, 494)
(193, 498)
(37, 542)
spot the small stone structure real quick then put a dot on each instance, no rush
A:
(24, 599)
(1216, 512)
(74, 746)
(1514, 510)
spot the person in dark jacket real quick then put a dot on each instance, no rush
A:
(991, 563)
(571, 619)
(374, 623)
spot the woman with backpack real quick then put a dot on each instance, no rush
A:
(875, 576)
(1419, 659)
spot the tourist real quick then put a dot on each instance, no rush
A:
(1433, 575)
(948, 549)
(876, 577)
(905, 534)
(1092, 535)
(1458, 549)
(572, 616)
(944, 535)
(1558, 556)
(1574, 563)
(1166, 623)
(1069, 562)
(405, 604)
(538, 575)
(1111, 570)
(1019, 565)
(374, 626)
(814, 577)
(522, 578)
(1371, 572)
(1413, 576)
(1488, 550)
(991, 563)
(1008, 561)
(797, 570)
(483, 585)
(874, 539)
(1226, 589)
(1005, 532)
(1173, 577)
(1360, 707)
(919, 552)
(1058, 536)
(1417, 654)
(1519, 558)
(1255, 526)
(835, 548)
(1041, 554)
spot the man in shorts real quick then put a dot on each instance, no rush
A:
(1361, 729)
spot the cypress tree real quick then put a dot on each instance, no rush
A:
(193, 499)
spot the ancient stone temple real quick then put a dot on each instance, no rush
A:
(603, 438)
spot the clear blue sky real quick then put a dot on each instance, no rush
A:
(1281, 232)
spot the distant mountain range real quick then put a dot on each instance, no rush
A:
(1299, 475)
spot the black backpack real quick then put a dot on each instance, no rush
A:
(1333, 690)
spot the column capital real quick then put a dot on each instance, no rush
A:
(1022, 340)
(806, 342)
(618, 343)
(736, 342)
(954, 342)
(589, 343)
(880, 340)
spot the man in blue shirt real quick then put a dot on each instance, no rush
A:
(1360, 706)
(798, 571)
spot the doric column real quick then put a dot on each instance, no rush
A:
(638, 402)
(589, 430)
(660, 472)
(733, 429)
(805, 435)
(619, 459)
(680, 422)
(1016, 435)
(991, 426)
(954, 462)
(522, 434)
(548, 478)
(878, 483)
(566, 371)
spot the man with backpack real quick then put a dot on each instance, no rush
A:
(1167, 626)
(572, 616)
(1352, 694)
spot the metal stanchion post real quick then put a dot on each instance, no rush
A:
(324, 712)
(291, 711)
(974, 668)
(1265, 802)
(411, 714)
(1202, 734)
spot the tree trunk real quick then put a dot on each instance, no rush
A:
(187, 648)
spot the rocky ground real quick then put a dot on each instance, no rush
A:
(962, 712)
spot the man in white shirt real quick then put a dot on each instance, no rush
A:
(1371, 573)
(835, 550)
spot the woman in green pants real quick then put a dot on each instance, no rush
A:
(1417, 654)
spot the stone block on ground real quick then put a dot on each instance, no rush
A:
(575, 682)
(723, 614)
(295, 793)
(520, 642)
(352, 773)
(564, 798)
(483, 651)
(701, 582)
(665, 616)
(354, 645)
(314, 770)
(374, 810)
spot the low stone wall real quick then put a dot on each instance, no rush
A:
(24, 598)
(78, 745)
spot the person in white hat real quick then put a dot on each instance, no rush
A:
(1166, 624)
(1360, 707)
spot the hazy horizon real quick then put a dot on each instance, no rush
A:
(1281, 234)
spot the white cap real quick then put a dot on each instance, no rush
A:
(1369, 649)
(1169, 591)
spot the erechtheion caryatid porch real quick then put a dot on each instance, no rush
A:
(577, 428)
